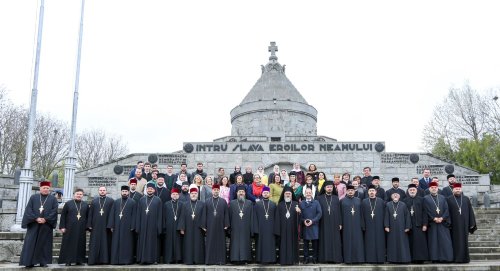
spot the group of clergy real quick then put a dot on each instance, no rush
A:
(150, 229)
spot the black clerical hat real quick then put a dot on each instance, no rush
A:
(241, 187)
(350, 187)
(371, 186)
(412, 185)
(376, 177)
(152, 185)
(395, 179)
(125, 187)
(161, 175)
(450, 176)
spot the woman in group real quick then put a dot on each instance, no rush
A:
(309, 184)
(224, 189)
(295, 185)
(339, 186)
(346, 178)
(204, 192)
(276, 171)
(313, 171)
(276, 189)
(256, 186)
(321, 180)
(284, 176)
(263, 175)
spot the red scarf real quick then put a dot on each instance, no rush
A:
(257, 190)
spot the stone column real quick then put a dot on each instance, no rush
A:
(25, 186)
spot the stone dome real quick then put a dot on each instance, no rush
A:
(274, 107)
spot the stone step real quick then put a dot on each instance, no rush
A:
(484, 243)
(485, 250)
(485, 257)
(474, 237)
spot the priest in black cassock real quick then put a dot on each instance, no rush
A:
(463, 223)
(73, 225)
(122, 223)
(352, 228)
(330, 225)
(149, 226)
(217, 223)
(438, 234)
(448, 190)
(397, 224)
(192, 220)
(134, 194)
(241, 216)
(373, 209)
(184, 195)
(286, 227)
(97, 223)
(39, 220)
(417, 235)
(395, 188)
(380, 191)
(263, 225)
(161, 189)
(420, 191)
(172, 248)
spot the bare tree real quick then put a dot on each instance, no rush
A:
(95, 147)
(464, 114)
(50, 145)
(13, 126)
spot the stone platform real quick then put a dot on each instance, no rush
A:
(476, 266)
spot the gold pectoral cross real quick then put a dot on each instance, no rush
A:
(101, 211)
(78, 216)
(437, 210)
(372, 214)
(41, 209)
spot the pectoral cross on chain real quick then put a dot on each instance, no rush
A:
(328, 209)
(78, 216)
(267, 216)
(120, 215)
(147, 210)
(437, 210)
(102, 212)
(411, 211)
(395, 216)
(192, 216)
(41, 209)
(372, 214)
(352, 210)
(241, 215)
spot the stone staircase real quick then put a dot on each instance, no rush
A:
(484, 243)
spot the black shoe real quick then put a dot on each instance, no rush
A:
(79, 264)
(68, 264)
(43, 265)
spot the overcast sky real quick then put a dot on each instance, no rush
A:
(159, 73)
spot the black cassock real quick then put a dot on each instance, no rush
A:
(241, 216)
(417, 237)
(330, 240)
(374, 229)
(149, 225)
(352, 230)
(172, 246)
(463, 222)
(163, 193)
(194, 235)
(438, 234)
(74, 240)
(286, 227)
(136, 196)
(123, 226)
(397, 219)
(217, 218)
(37, 247)
(263, 225)
(100, 235)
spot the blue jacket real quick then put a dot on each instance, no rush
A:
(312, 211)
(423, 184)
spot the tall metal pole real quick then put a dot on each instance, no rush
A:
(70, 165)
(26, 179)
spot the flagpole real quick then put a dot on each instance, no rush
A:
(26, 178)
(70, 164)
